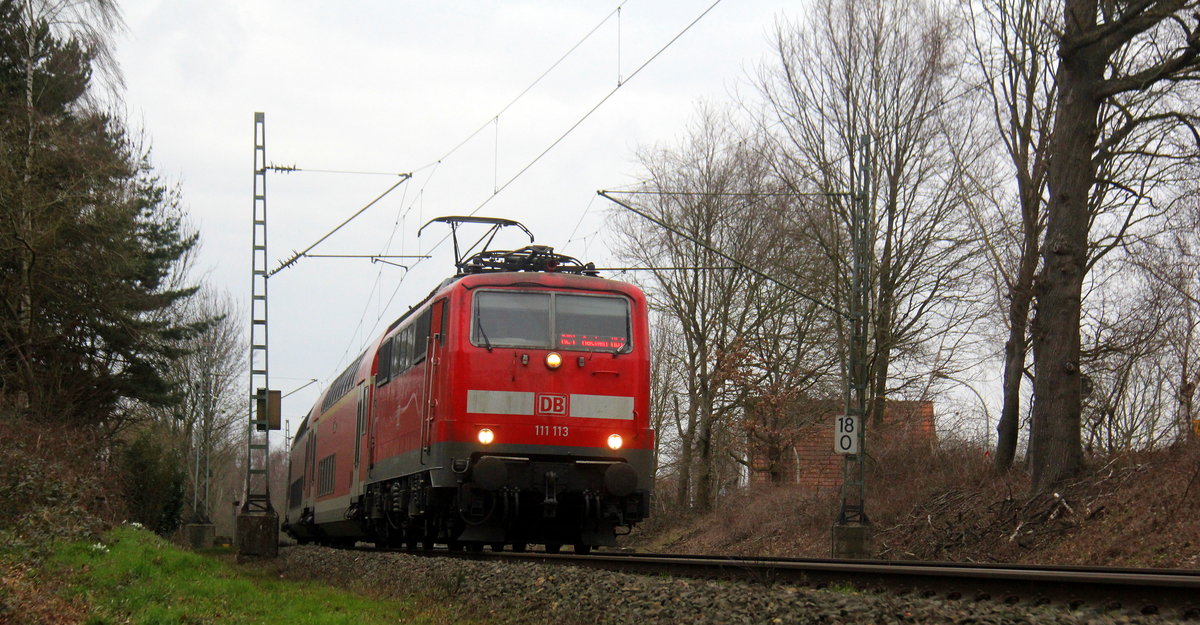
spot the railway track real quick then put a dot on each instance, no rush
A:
(1167, 592)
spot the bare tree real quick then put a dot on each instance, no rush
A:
(882, 70)
(1106, 52)
(789, 376)
(709, 187)
(1125, 397)
(1012, 46)
(1170, 267)
(204, 422)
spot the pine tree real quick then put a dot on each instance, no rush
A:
(90, 240)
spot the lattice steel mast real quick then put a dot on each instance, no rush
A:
(852, 530)
(257, 522)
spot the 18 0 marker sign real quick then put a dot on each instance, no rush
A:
(845, 436)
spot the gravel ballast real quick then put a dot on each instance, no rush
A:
(525, 592)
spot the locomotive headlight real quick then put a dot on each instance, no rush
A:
(553, 360)
(615, 442)
(486, 436)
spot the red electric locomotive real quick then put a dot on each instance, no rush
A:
(510, 406)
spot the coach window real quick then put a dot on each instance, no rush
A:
(511, 319)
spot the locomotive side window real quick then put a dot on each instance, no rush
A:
(407, 356)
(402, 351)
(549, 321)
(512, 319)
(444, 327)
(591, 323)
(421, 336)
(385, 363)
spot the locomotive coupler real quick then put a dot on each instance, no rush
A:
(550, 505)
(592, 505)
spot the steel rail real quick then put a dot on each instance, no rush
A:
(1170, 592)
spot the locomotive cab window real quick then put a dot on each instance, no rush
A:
(550, 321)
(592, 323)
(512, 319)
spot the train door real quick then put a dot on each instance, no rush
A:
(435, 345)
(364, 397)
(309, 462)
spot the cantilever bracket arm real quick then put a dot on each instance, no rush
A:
(298, 255)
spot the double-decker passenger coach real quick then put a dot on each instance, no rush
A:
(509, 407)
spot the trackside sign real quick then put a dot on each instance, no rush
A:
(845, 434)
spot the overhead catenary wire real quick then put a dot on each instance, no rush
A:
(495, 118)
(494, 121)
(712, 268)
(500, 188)
(588, 114)
(557, 141)
(752, 194)
(368, 256)
(588, 208)
(677, 232)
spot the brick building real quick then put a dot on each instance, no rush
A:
(813, 463)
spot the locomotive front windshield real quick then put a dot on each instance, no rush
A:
(550, 321)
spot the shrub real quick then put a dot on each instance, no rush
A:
(154, 482)
(54, 483)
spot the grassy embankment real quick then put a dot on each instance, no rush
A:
(133, 576)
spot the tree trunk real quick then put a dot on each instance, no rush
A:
(1055, 450)
(24, 235)
(704, 483)
(1014, 370)
(1015, 350)
(682, 489)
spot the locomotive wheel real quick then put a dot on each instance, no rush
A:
(475, 547)
(553, 547)
(497, 546)
(583, 550)
(520, 547)
(454, 545)
(427, 544)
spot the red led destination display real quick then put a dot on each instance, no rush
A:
(591, 342)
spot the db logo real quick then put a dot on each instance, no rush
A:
(551, 404)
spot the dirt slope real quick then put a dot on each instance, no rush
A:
(1139, 510)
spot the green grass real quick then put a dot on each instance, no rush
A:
(133, 576)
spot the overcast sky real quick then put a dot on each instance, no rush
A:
(394, 87)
